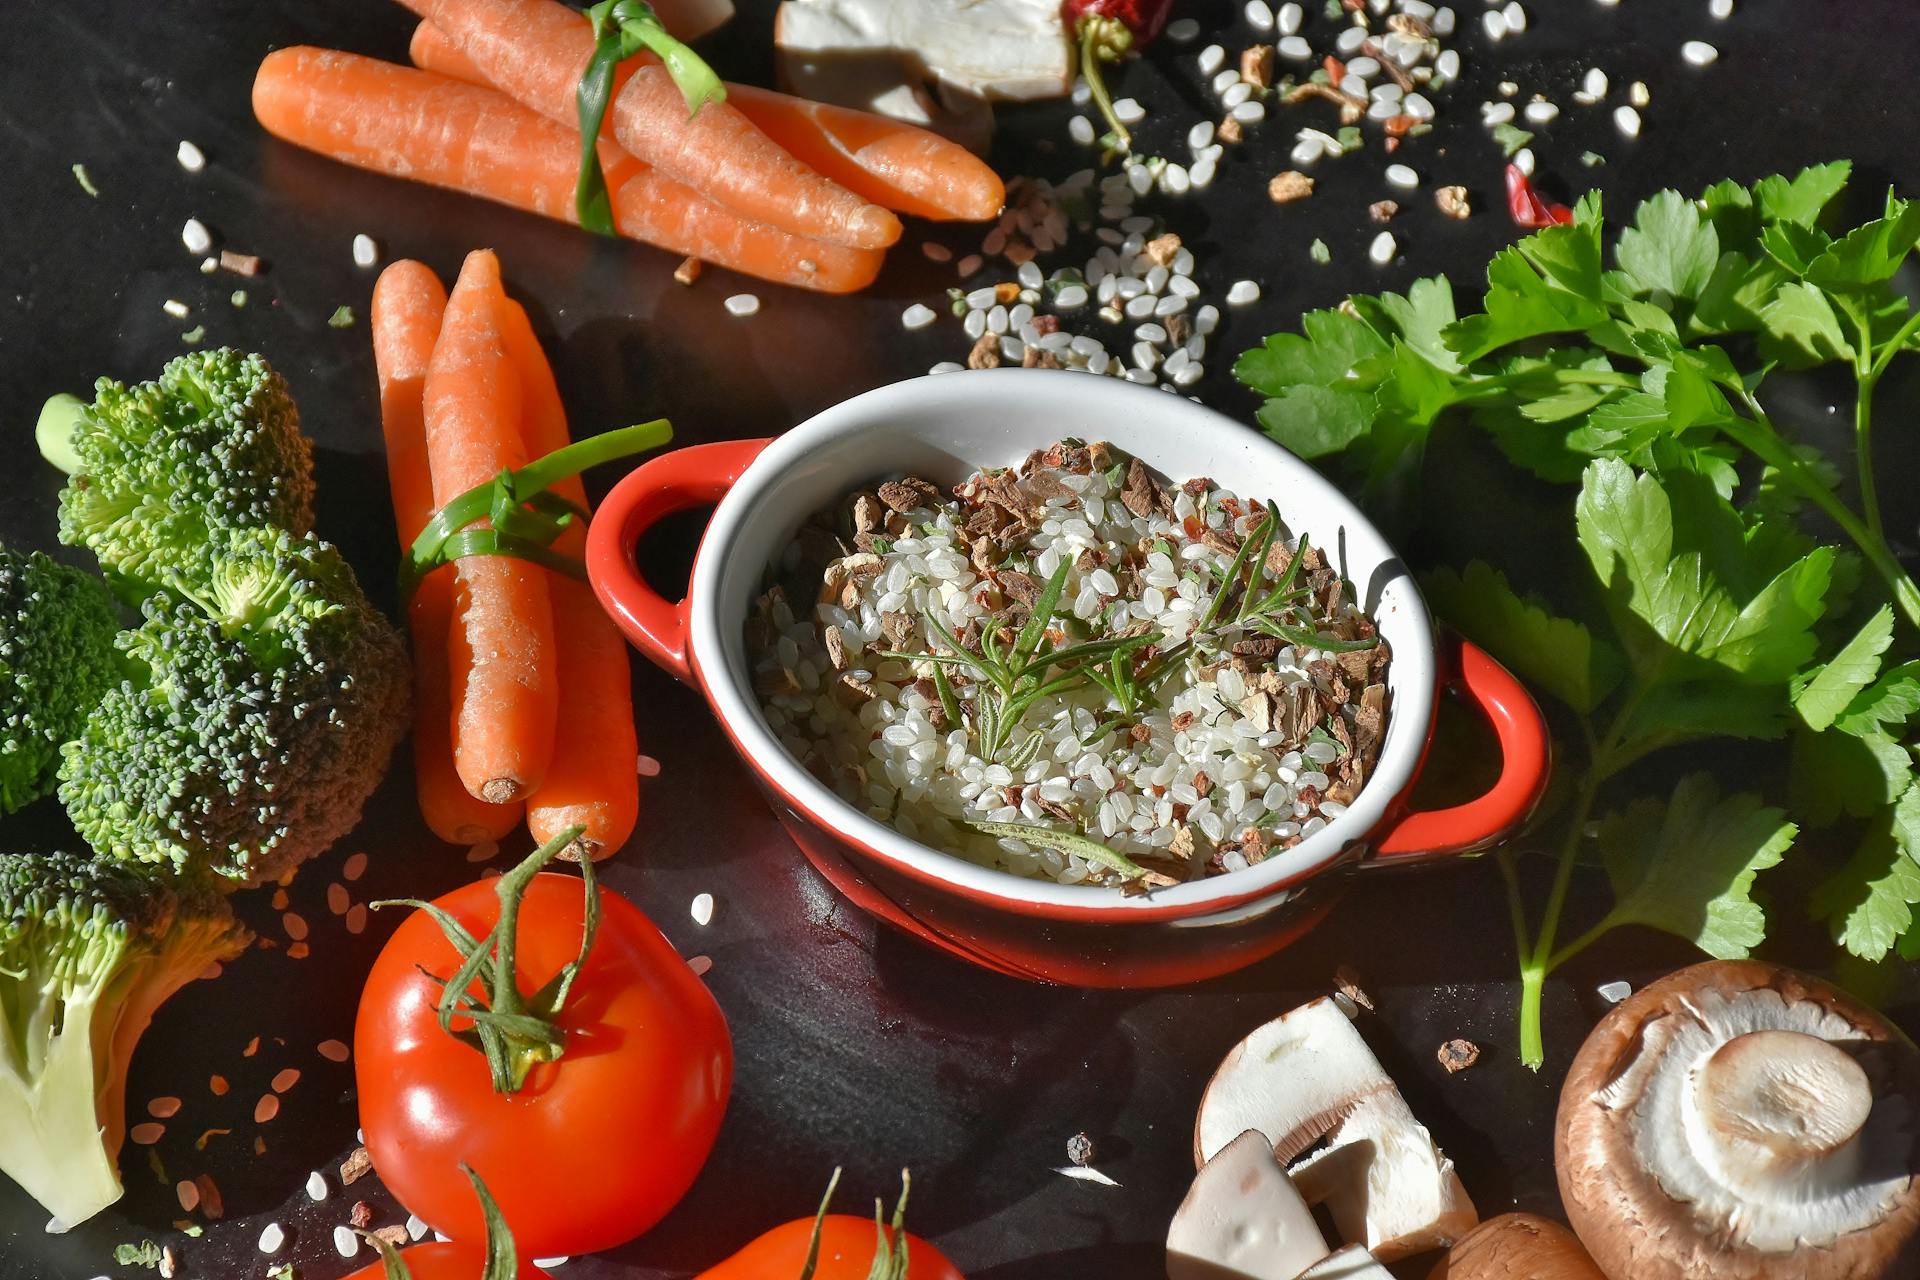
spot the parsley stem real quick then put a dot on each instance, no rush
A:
(1863, 456)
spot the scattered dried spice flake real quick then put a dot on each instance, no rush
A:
(212, 1206)
(266, 1109)
(333, 1050)
(295, 924)
(286, 1079)
(298, 951)
(200, 1143)
(164, 1108)
(259, 1145)
(338, 899)
(361, 1215)
(1346, 980)
(280, 900)
(1383, 210)
(395, 1236)
(355, 1167)
(1289, 186)
(147, 1133)
(188, 1194)
(1453, 202)
(253, 1047)
(219, 1086)
(688, 271)
(354, 867)
(700, 965)
(1080, 1149)
(1457, 1055)
(357, 918)
(241, 264)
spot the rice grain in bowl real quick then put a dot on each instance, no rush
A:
(1073, 669)
(944, 429)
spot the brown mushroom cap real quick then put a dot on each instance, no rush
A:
(1777, 1081)
(1517, 1246)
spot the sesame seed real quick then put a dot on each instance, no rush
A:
(191, 158)
(1242, 293)
(188, 1195)
(1080, 129)
(333, 1050)
(266, 1109)
(1492, 113)
(1627, 120)
(935, 251)
(1381, 251)
(917, 316)
(1259, 15)
(1638, 94)
(218, 1086)
(1698, 52)
(272, 1238)
(1722, 9)
(357, 918)
(1541, 112)
(338, 900)
(195, 236)
(346, 1242)
(1129, 111)
(1250, 112)
(1495, 24)
(1595, 83)
(1211, 59)
(1294, 47)
(1523, 160)
(354, 867)
(703, 909)
(1288, 18)
(1516, 17)
(1401, 175)
(146, 1133)
(647, 767)
(742, 305)
(316, 1186)
(286, 1079)
(164, 1108)
(365, 251)
(295, 924)
(701, 964)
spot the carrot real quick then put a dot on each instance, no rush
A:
(500, 643)
(535, 51)
(897, 166)
(594, 778)
(407, 304)
(412, 124)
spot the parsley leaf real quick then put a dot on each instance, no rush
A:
(1558, 654)
(1868, 903)
(1687, 866)
(1801, 199)
(1670, 247)
(1832, 687)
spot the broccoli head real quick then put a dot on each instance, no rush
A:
(158, 469)
(56, 659)
(89, 949)
(266, 701)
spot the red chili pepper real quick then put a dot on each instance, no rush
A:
(1107, 31)
(1529, 210)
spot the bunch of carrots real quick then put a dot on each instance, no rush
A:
(522, 704)
(791, 191)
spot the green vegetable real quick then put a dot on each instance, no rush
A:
(156, 469)
(85, 179)
(265, 701)
(621, 29)
(1511, 138)
(88, 950)
(342, 317)
(1711, 606)
(56, 660)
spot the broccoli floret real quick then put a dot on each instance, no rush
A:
(56, 660)
(263, 710)
(88, 950)
(160, 468)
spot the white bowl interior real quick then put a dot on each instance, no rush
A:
(944, 428)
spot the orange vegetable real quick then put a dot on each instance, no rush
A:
(535, 51)
(898, 166)
(500, 644)
(407, 304)
(412, 124)
(593, 779)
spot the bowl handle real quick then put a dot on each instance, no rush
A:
(1525, 761)
(687, 477)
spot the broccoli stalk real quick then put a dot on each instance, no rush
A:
(89, 950)
(56, 660)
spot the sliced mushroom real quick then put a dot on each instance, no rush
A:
(1385, 1182)
(1517, 1246)
(1242, 1220)
(1740, 1121)
(1350, 1263)
(1293, 1078)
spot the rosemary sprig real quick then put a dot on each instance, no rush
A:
(1060, 842)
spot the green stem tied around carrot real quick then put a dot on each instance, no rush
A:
(621, 29)
(515, 1030)
(523, 518)
(503, 1256)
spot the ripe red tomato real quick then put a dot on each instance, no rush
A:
(445, 1262)
(846, 1253)
(601, 1143)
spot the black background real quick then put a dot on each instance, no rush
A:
(854, 1047)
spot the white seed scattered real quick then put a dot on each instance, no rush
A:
(346, 1241)
(1495, 24)
(1401, 175)
(1211, 59)
(1627, 121)
(1225, 80)
(191, 158)
(1720, 8)
(1236, 94)
(416, 1228)
(550, 1263)
(175, 308)
(1492, 113)
(1174, 179)
(1595, 83)
(1295, 47)
(1350, 40)
(1200, 135)
(947, 366)
(1638, 94)
(1250, 112)
(1381, 251)
(1698, 52)
(1183, 30)
(1541, 112)
(742, 304)
(917, 316)
(196, 236)
(1189, 374)
(1523, 160)
(1442, 23)
(1516, 17)
(1447, 65)
(702, 964)
(1071, 297)
(1288, 18)
(365, 251)
(1507, 88)
(1417, 106)
(1242, 293)
(703, 909)
(1306, 151)
(1614, 992)
(1201, 174)
(1259, 15)
(316, 1186)
(1129, 111)
(273, 1238)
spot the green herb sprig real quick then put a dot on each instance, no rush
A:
(621, 29)
(1645, 377)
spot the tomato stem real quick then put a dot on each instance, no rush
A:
(503, 1256)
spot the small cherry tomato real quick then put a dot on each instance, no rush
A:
(596, 1145)
(444, 1262)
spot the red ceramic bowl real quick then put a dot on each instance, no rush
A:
(944, 428)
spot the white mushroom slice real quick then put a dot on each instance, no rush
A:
(1243, 1220)
(1386, 1183)
(1293, 1078)
(1350, 1263)
(1739, 1120)
(931, 62)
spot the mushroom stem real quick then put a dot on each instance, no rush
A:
(1774, 1107)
